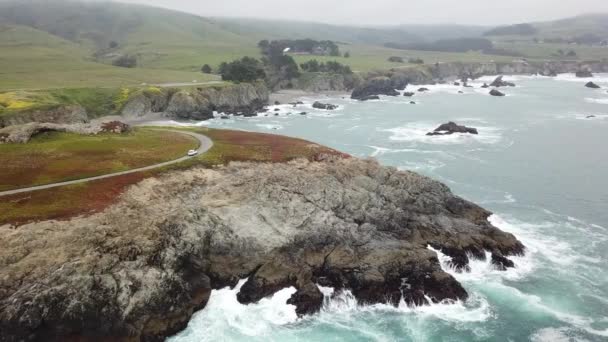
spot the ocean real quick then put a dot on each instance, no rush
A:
(539, 163)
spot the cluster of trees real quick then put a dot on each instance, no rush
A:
(562, 53)
(330, 67)
(397, 59)
(518, 29)
(277, 68)
(246, 69)
(314, 47)
(448, 45)
(125, 61)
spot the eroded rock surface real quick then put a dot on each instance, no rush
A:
(140, 269)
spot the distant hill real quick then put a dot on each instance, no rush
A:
(565, 29)
(517, 29)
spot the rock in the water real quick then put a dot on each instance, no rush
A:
(495, 92)
(590, 116)
(412, 102)
(460, 92)
(592, 85)
(409, 94)
(457, 84)
(375, 86)
(138, 270)
(584, 74)
(326, 106)
(303, 113)
(371, 97)
(485, 85)
(451, 128)
(500, 262)
(498, 82)
(423, 89)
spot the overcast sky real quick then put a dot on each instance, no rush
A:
(390, 12)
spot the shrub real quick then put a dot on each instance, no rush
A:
(125, 61)
(415, 61)
(246, 69)
(206, 69)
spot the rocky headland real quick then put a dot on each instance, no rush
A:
(139, 269)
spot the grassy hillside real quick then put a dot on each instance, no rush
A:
(57, 157)
(33, 59)
(66, 43)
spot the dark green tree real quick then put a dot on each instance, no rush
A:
(246, 69)
(206, 69)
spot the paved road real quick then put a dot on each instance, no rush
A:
(204, 145)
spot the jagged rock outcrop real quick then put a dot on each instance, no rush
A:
(592, 85)
(427, 74)
(322, 82)
(584, 74)
(199, 104)
(22, 134)
(139, 269)
(499, 82)
(325, 106)
(375, 86)
(60, 115)
(451, 128)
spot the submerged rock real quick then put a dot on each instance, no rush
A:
(495, 92)
(139, 269)
(451, 128)
(409, 94)
(592, 85)
(326, 106)
(421, 90)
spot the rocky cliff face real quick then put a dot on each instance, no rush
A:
(138, 270)
(442, 71)
(60, 115)
(199, 104)
(321, 82)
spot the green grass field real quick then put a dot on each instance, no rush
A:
(32, 59)
(97, 153)
(55, 157)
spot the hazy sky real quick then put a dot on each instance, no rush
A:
(390, 12)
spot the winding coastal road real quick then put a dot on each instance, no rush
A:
(204, 145)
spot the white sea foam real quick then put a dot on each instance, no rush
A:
(425, 166)
(270, 126)
(597, 78)
(553, 335)
(224, 316)
(476, 309)
(416, 132)
(594, 100)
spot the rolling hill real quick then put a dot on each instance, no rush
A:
(70, 43)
